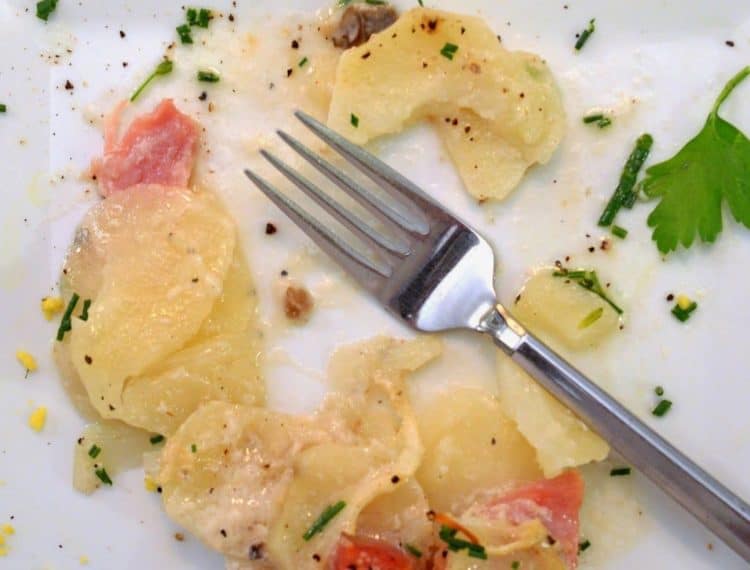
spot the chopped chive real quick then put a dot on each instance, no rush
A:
(204, 17)
(325, 517)
(625, 188)
(354, 120)
(192, 16)
(619, 232)
(65, 325)
(659, 391)
(604, 122)
(413, 550)
(154, 439)
(45, 8)
(420, 2)
(593, 118)
(94, 451)
(208, 76)
(619, 472)
(193, 448)
(342, 3)
(584, 545)
(588, 279)
(449, 50)
(85, 311)
(103, 476)
(302, 62)
(681, 314)
(476, 551)
(591, 318)
(661, 408)
(164, 68)
(515, 565)
(183, 32)
(3, 108)
(585, 34)
(376, 2)
(448, 535)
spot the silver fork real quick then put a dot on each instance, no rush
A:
(436, 273)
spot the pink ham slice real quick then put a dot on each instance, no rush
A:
(158, 148)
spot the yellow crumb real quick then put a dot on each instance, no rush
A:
(3, 551)
(83, 560)
(51, 306)
(38, 418)
(26, 360)
(8, 529)
(684, 302)
(2, 540)
(149, 484)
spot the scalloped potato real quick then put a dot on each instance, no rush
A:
(497, 111)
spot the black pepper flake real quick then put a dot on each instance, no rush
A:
(223, 533)
(432, 24)
(493, 441)
(203, 96)
(88, 359)
(454, 122)
(122, 34)
(231, 17)
(395, 479)
(467, 129)
(730, 43)
(592, 249)
(270, 229)
(366, 55)
(124, 63)
(670, 298)
(159, 489)
(194, 280)
(68, 85)
(80, 441)
(284, 273)
(295, 44)
(289, 72)
(256, 551)
(316, 557)
(111, 408)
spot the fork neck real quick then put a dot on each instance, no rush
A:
(506, 332)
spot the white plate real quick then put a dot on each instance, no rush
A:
(659, 65)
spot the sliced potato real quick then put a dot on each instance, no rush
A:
(499, 112)
(470, 446)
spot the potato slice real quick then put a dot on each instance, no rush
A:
(470, 446)
(162, 254)
(554, 309)
(498, 112)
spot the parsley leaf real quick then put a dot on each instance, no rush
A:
(712, 167)
(45, 8)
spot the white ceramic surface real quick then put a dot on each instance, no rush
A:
(659, 65)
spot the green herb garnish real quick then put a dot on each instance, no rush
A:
(154, 439)
(661, 408)
(103, 476)
(591, 318)
(65, 324)
(413, 550)
(164, 68)
(325, 517)
(193, 448)
(625, 192)
(191, 15)
(449, 50)
(302, 62)
(420, 2)
(184, 32)
(588, 279)
(515, 565)
(448, 535)
(585, 34)
(94, 451)
(710, 168)
(204, 17)
(45, 8)
(376, 2)
(208, 76)
(584, 545)
(85, 311)
(619, 472)
(659, 391)
(682, 313)
(354, 120)
(598, 118)
(619, 232)
(3, 108)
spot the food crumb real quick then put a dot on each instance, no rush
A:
(51, 306)
(179, 537)
(298, 303)
(270, 229)
(38, 418)
(26, 360)
(149, 484)
(730, 43)
(8, 529)
(83, 560)
(684, 302)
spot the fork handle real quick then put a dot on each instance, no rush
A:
(720, 510)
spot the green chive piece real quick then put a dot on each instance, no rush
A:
(585, 34)
(588, 279)
(659, 391)
(591, 318)
(449, 50)
(515, 565)
(376, 2)
(302, 62)
(448, 535)
(183, 32)
(661, 408)
(193, 448)
(65, 325)
(204, 17)
(593, 118)
(45, 8)
(3, 108)
(619, 472)
(208, 76)
(192, 16)
(154, 439)
(325, 517)
(354, 120)
(584, 545)
(476, 551)
(342, 3)
(413, 550)
(681, 314)
(619, 232)
(625, 188)
(94, 451)
(85, 311)
(103, 476)
(420, 2)
(164, 68)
